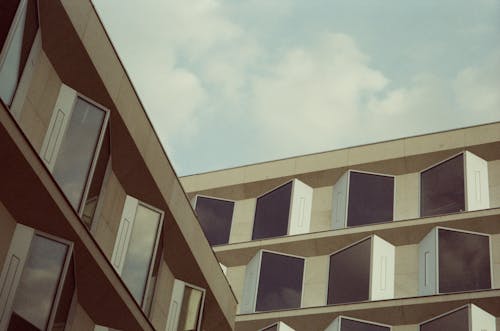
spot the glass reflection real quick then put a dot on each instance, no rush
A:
(280, 282)
(190, 310)
(456, 321)
(464, 261)
(16, 55)
(38, 285)
(64, 304)
(351, 325)
(349, 276)
(77, 150)
(271, 213)
(140, 251)
(215, 217)
(442, 188)
(371, 199)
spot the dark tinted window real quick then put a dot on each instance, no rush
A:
(215, 218)
(464, 261)
(349, 277)
(371, 199)
(77, 150)
(350, 325)
(271, 213)
(456, 321)
(442, 188)
(271, 328)
(280, 282)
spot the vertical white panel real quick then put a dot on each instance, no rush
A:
(124, 232)
(12, 270)
(339, 207)
(427, 264)
(476, 172)
(57, 126)
(481, 320)
(383, 267)
(335, 325)
(175, 305)
(300, 208)
(247, 304)
(283, 327)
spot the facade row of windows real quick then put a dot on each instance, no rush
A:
(449, 261)
(466, 318)
(457, 184)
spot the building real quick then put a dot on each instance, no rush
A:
(401, 235)
(96, 232)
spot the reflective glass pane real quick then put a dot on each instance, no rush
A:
(271, 328)
(77, 150)
(280, 282)
(464, 261)
(349, 276)
(456, 321)
(271, 213)
(371, 199)
(65, 300)
(92, 198)
(140, 251)
(38, 285)
(351, 325)
(23, 31)
(190, 310)
(215, 217)
(442, 188)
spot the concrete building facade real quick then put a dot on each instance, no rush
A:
(96, 232)
(401, 235)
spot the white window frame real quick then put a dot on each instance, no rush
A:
(123, 236)
(467, 205)
(297, 214)
(341, 199)
(390, 264)
(336, 324)
(56, 132)
(13, 268)
(195, 202)
(248, 303)
(280, 326)
(176, 302)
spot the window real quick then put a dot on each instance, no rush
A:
(36, 284)
(272, 281)
(18, 28)
(462, 259)
(343, 323)
(136, 247)
(467, 318)
(361, 198)
(284, 210)
(186, 307)
(76, 150)
(363, 271)
(454, 185)
(279, 326)
(215, 217)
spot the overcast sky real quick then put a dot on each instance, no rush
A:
(228, 83)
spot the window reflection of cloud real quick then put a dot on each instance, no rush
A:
(39, 280)
(77, 149)
(140, 251)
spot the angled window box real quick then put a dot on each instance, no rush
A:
(273, 281)
(76, 149)
(215, 217)
(186, 307)
(285, 210)
(362, 271)
(454, 261)
(343, 323)
(37, 282)
(457, 184)
(466, 318)
(279, 326)
(362, 198)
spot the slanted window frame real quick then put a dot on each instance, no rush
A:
(195, 202)
(175, 308)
